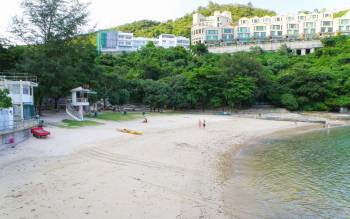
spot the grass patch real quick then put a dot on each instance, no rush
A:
(117, 116)
(67, 123)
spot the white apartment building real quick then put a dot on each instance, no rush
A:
(117, 42)
(275, 28)
(213, 29)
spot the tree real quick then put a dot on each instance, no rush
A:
(44, 21)
(289, 101)
(59, 59)
(199, 49)
(241, 92)
(5, 100)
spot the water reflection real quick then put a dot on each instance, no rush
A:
(301, 176)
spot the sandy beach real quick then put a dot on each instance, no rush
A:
(174, 170)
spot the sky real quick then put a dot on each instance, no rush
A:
(110, 13)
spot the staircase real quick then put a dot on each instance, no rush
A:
(76, 115)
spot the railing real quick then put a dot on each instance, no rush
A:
(12, 76)
(82, 100)
(7, 126)
(73, 113)
(255, 41)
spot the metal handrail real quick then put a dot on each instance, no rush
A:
(15, 76)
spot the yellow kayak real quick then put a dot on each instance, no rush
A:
(130, 132)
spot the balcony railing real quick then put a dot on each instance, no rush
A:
(82, 100)
(12, 76)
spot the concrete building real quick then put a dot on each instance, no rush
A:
(343, 24)
(212, 30)
(16, 121)
(117, 42)
(21, 91)
(269, 29)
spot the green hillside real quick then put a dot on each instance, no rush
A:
(182, 26)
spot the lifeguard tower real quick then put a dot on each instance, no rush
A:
(79, 103)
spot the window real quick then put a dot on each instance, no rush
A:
(310, 24)
(243, 35)
(255, 21)
(278, 19)
(244, 21)
(292, 26)
(227, 30)
(267, 20)
(344, 21)
(212, 32)
(212, 37)
(244, 29)
(327, 23)
(276, 27)
(260, 28)
(301, 18)
(26, 90)
(290, 19)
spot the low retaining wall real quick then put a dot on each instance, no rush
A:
(10, 139)
(294, 45)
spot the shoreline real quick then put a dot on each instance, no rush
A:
(247, 198)
(175, 170)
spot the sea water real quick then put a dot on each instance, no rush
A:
(301, 176)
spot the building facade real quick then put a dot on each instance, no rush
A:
(16, 121)
(209, 30)
(117, 42)
(216, 30)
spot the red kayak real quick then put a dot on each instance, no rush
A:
(39, 132)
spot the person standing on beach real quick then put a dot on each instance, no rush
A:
(200, 123)
(204, 124)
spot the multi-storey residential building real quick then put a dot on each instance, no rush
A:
(116, 41)
(342, 24)
(210, 30)
(213, 29)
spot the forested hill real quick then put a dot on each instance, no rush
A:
(182, 26)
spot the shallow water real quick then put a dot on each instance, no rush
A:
(303, 176)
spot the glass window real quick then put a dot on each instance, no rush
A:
(243, 29)
(260, 28)
(327, 23)
(227, 30)
(212, 32)
(26, 90)
(310, 24)
(344, 21)
(292, 26)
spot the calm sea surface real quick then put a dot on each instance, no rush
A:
(302, 176)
